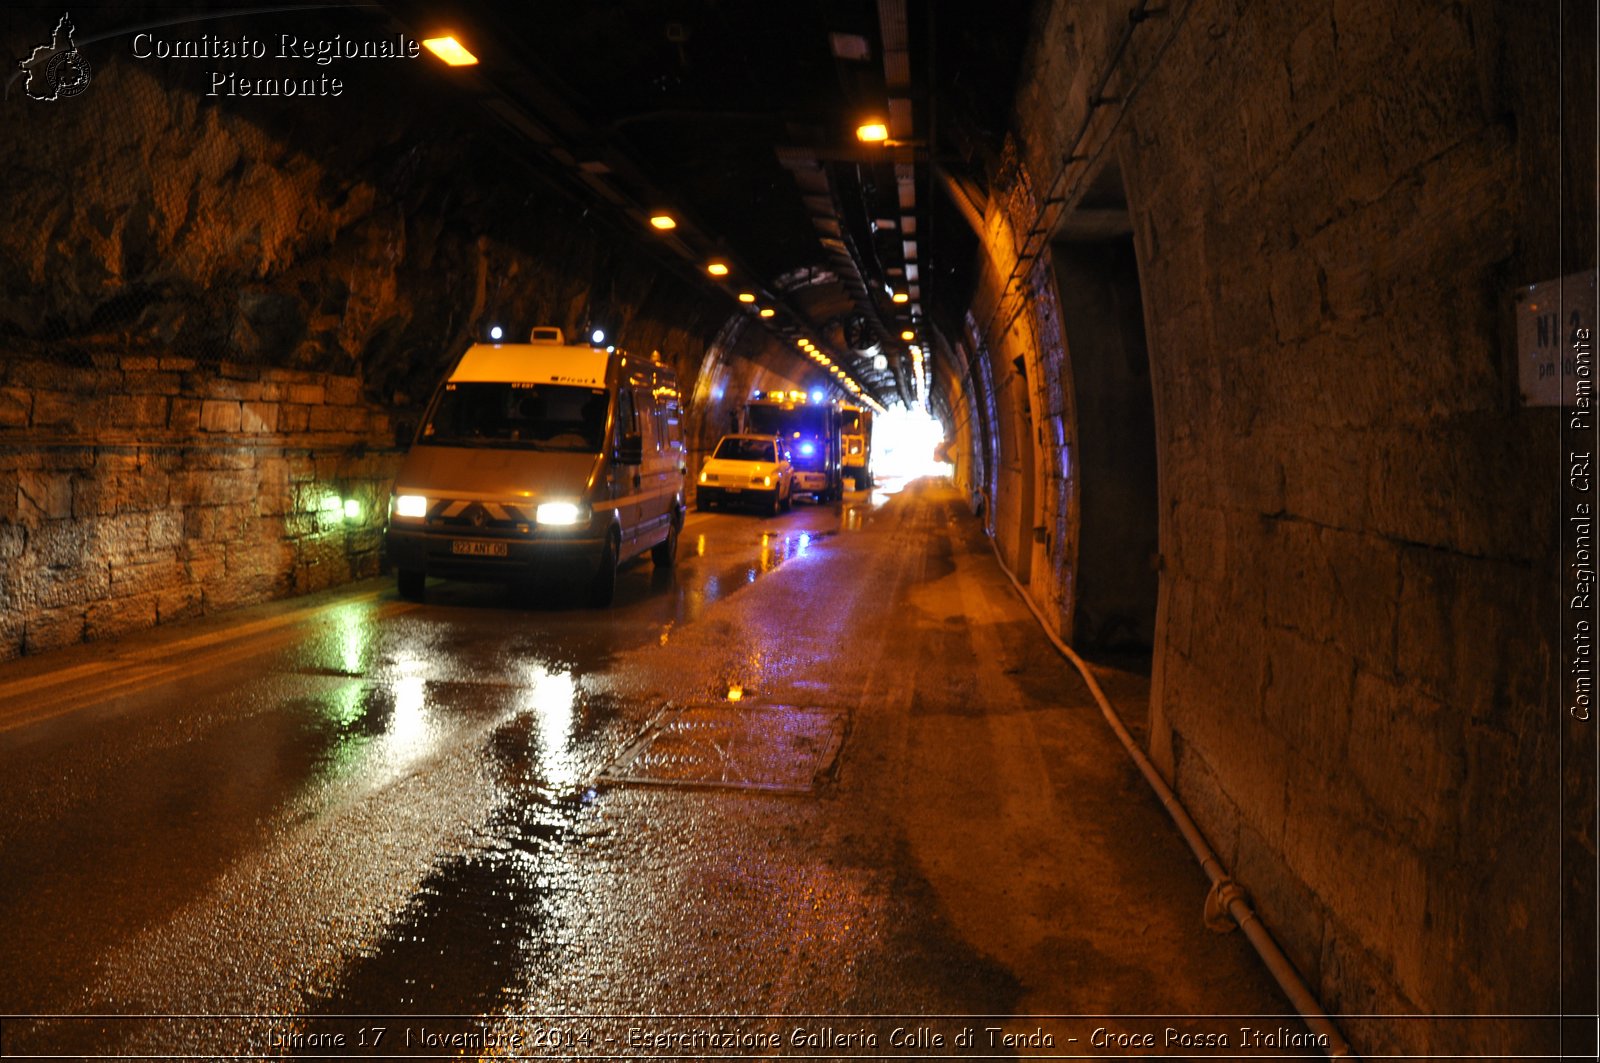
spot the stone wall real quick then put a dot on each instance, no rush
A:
(1332, 203)
(145, 490)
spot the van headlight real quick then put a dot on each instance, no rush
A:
(411, 506)
(560, 513)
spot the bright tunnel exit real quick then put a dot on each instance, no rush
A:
(904, 443)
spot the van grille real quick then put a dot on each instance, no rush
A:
(478, 515)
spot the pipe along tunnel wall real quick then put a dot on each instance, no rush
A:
(1264, 425)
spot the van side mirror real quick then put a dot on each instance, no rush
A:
(631, 450)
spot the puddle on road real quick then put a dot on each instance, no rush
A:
(491, 921)
(480, 928)
(694, 591)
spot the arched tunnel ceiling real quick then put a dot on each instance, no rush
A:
(739, 120)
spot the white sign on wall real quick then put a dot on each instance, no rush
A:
(1555, 341)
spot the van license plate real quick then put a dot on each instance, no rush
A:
(477, 549)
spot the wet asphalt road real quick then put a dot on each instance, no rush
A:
(330, 815)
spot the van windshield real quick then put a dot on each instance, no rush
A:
(532, 416)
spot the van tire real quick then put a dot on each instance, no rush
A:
(603, 588)
(665, 553)
(412, 584)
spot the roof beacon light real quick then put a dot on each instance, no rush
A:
(598, 336)
(495, 332)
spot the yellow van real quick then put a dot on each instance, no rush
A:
(541, 456)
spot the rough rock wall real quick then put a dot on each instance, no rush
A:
(1332, 203)
(212, 311)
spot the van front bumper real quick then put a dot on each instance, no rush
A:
(491, 557)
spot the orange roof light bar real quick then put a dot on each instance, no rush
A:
(450, 50)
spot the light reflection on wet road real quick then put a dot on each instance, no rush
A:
(363, 806)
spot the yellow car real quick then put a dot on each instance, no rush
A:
(747, 468)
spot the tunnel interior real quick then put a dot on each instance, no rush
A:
(1216, 305)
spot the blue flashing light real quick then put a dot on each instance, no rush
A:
(496, 332)
(808, 449)
(816, 395)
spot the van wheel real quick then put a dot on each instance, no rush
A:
(413, 585)
(604, 586)
(665, 553)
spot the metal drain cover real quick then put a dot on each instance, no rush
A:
(776, 748)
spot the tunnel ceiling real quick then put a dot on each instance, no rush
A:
(739, 121)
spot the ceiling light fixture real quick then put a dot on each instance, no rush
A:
(873, 132)
(747, 297)
(663, 221)
(450, 50)
(717, 269)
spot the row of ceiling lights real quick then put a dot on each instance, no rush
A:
(664, 222)
(876, 131)
(845, 381)
(453, 53)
